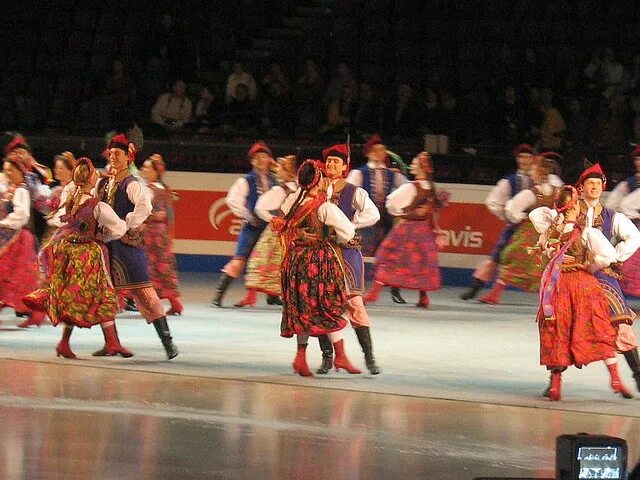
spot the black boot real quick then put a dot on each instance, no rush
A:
(473, 290)
(364, 337)
(130, 305)
(274, 300)
(633, 360)
(327, 355)
(396, 297)
(165, 337)
(223, 284)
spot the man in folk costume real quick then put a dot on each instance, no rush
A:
(624, 235)
(362, 212)
(130, 199)
(241, 200)
(628, 185)
(38, 178)
(378, 180)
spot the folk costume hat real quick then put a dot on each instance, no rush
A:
(593, 171)
(18, 142)
(523, 148)
(373, 140)
(340, 150)
(635, 152)
(122, 142)
(259, 147)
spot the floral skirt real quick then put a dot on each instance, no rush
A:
(408, 257)
(630, 281)
(581, 331)
(314, 291)
(79, 291)
(161, 260)
(518, 268)
(263, 267)
(18, 267)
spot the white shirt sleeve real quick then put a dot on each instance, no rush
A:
(400, 198)
(237, 199)
(139, 196)
(54, 220)
(554, 180)
(604, 253)
(331, 215)
(629, 236)
(515, 210)
(542, 218)
(628, 205)
(367, 213)
(19, 217)
(399, 180)
(289, 201)
(114, 226)
(617, 195)
(497, 198)
(355, 178)
(269, 201)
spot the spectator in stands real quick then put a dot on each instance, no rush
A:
(531, 71)
(405, 114)
(577, 124)
(308, 93)
(172, 110)
(206, 114)
(553, 126)
(340, 112)
(155, 79)
(170, 37)
(449, 115)
(275, 73)
(432, 116)
(278, 114)
(119, 93)
(240, 76)
(241, 114)
(341, 78)
(512, 117)
(613, 74)
(367, 118)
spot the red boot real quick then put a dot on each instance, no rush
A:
(35, 318)
(373, 293)
(63, 349)
(300, 363)
(176, 306)
(424, 300)
(555, 386)
(493, 297)
(341, 360)
(616, 384)
(248, 300)
(112, 345)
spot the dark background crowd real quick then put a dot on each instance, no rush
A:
(484, 74)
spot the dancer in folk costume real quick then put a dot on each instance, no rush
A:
(505, 189)
(408, 256)
(313, 278)
(241, 200)
(76, 289)
(574, 321)
(362, 212)
(263, 267)
(517, 268)
(378, 180)
(159, 233)
(624, 235)
(63, 166)
(628, 185)
(130, 199)
(18, 247)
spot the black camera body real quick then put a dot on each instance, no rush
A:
(584, 456)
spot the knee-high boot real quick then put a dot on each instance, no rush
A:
(473, 290)
(165, 337)
(327, 355)
(223, 285)
(341, 360)
(112, 345)
(63, 349)
(556, 385)
(616, 384)
(300, 362)
(364, 338)
(633, 360)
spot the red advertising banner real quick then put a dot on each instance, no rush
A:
(470, 228)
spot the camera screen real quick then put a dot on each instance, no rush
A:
(600, 462)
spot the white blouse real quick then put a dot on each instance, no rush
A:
(19, 217)
(273, 200)
(402, 197)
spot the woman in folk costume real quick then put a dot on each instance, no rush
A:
(158, 234)
(64, 163)
(408, 256)
(517, 268)
(77, 288)
(18, 251)
(313, 278)
(574, 322)
(263, 266)
(627, 200)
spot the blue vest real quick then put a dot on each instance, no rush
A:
(632, 183)
(515, 183)
(254, 190)
(345, 202)
(368, 181)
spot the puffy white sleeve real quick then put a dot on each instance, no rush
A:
(399, 180)
(367, 213)
(542, 218)
(237, 199)
(615, 198)
(629, 236)
(139, 196)
(497, 198)
(628, 204)
(400, 198)
(515, 210)
(554, 180)
(331, 215)
(54, 220)
(355, 177)
(19, 217)
(269, 201)
(604, 254)
(114, 227)
(289, 201)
